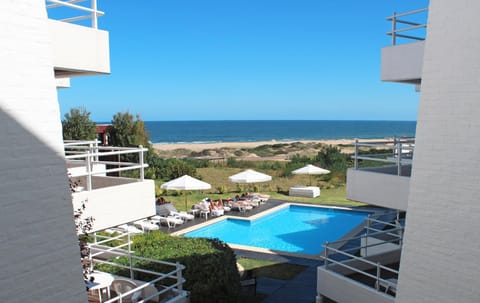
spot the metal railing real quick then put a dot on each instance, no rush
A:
(333, 254)
(88, 154)
(401, 26)
(400, 152)
(71, 7)
(124, 250)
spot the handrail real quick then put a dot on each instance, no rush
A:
(329, 249)
(89, 154)
(175, 274)
(92, 11)
(395, 32)
(402, 150)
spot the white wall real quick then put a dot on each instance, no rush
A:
(440, 259)
(79, 48)
(38, 248)
(115, 205)
(403, 62)
(386, 190)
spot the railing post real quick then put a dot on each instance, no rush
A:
(368, 224)
(377, 285)
(94, 14)
(399, 158)
(130, 255)
(325, 258)
(140, 156)
(89, 172)
(179, 276)
(355, 163)
(394, 28)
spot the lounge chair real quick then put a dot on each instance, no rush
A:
(128, 228)
(121, 286)
(147, 225)
(174, 212)
(170, 221)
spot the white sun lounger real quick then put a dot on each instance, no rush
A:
(171, 221)
(147, 225)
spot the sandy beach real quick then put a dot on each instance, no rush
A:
(202, 146)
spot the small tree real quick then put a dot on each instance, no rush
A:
(127, 131)
(78, 125)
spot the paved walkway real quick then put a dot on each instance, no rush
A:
(301, 289)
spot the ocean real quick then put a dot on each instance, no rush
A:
(253, 131)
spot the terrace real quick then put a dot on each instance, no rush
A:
(381, 177)
(79, 47)
(363, 268)
(403, 60)
(148, 284)
(108, 196)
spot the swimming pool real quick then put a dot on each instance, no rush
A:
(293, 229)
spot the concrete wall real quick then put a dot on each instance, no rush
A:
(38, 246)
(345, 290)
(79, 48)
(115, 205)
(440, 259)
(403, 63)
(379, 189)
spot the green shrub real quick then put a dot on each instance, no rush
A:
(211, 272)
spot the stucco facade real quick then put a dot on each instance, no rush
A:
(38, 248)
(440, 258)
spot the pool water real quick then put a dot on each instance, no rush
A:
(294, 229)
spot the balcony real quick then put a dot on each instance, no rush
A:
(381, 176)
(402, 61)
(110, 198)
(79, 47)
(363, 269)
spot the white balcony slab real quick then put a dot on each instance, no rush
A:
(79, 50)
(403, 63)
(378, 188)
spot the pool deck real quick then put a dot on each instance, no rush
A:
(302, 288)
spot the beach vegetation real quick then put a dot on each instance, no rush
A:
(77, 125)
(128, 131)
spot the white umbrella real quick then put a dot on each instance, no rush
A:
(185, 183)
(311, 170)
(249, 176)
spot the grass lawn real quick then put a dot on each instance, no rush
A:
(218, 178)
(270, 269)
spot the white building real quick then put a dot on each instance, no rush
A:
(38, 243)
(440, 256)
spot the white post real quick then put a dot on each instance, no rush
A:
(377, 285)
(140, 156)
(355, 165)
(399, 158)
(89, 172)
(179, 276)
(394, 28)
(326, 255)
(94, 14)
(130, 255)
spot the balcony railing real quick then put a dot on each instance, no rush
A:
(90, 159)
(171, 281)
(398, 151)
(388, 237)
(410, 28)
(68, 10)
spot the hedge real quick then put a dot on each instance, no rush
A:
(211, 272)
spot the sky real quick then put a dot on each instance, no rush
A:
(245, 60)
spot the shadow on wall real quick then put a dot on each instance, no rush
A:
(36, 218)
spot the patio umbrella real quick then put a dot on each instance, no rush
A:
(311, 170)
(249, 176)
(185, 183)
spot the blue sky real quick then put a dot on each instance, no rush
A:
(248, 59)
